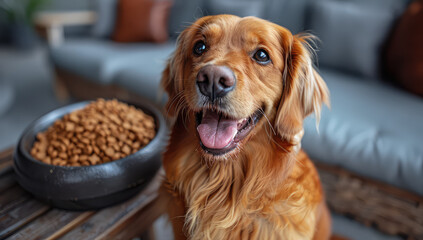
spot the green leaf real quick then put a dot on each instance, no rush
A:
(33, 6)
(22, 10)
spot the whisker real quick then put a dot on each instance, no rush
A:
(175, 99)
(186, 119)
(267, 133)
(267, 119)
(178, 104)
(273, 130)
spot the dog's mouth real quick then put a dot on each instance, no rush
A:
(220, 133)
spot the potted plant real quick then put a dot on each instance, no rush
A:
(21, 14)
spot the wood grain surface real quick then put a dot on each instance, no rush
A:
(375, 204)
(24, 217)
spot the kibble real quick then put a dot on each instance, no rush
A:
(101, 132)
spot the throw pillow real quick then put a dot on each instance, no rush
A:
(404, 54)
(142, 20)
(182, 14)
(352, 35)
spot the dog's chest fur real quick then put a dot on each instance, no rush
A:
(244, 198)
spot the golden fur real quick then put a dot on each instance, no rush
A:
(266, 188)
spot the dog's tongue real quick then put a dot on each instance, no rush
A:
(215, 131)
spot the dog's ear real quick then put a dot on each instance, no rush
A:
(304, 91)
(173, 75)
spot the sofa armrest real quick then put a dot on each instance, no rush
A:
(54, 22)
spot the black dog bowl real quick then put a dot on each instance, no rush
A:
(88, 187)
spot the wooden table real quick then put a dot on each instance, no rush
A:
(24, 217)
(52, 24)
(389, 209)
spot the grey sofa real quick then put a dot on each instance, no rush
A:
(372, 129)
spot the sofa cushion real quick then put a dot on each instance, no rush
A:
(240, 8)
(182, 14)
(294, 14)
(106, 17)
(143, 73)
(372, 129)
(352, 34)
(288, 13)
(99, 60)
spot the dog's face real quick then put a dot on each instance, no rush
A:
(237, 74)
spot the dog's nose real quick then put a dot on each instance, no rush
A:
(215, 81)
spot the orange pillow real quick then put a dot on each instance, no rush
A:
(404, 56)
(142, 21)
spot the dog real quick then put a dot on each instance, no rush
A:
(239, 90)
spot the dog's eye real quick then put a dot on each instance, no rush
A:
(261, 56)
(199, 48)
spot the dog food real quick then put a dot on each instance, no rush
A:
(101, 132)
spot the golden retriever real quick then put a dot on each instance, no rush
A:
(239, 90)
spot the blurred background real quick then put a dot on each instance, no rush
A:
(370, 53)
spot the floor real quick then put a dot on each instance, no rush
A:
(343, 226)
(30, 75)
